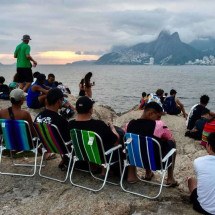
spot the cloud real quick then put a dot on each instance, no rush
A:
(93, 27)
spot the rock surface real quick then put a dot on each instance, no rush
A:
(36, 195)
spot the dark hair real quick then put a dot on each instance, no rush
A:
(204, 99)
(54, 95)
(82, 81)
(2, 79)
(51, 75)
(205, 111)
(143, 94)
(87, 79)
(172, 92)
(35, 74)
(14, 102)
(41, 77)
(155, 106)
(159, 92)
(211, 140)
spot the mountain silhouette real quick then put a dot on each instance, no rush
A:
(167, 49)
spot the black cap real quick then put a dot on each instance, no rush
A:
(172, 91)
(84, 104)
(26, 37)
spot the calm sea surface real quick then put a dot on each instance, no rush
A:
(121, 86)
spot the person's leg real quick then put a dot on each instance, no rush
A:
(26, 86)
(132, 174)
(170, 172)
(41, 100)
(28, 77)
(192, 184)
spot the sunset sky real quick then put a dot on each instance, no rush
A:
(64, 31)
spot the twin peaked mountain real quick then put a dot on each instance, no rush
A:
(167, 49)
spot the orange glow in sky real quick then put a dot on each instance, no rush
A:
(51, 57)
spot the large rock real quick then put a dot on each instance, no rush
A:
(22, 195)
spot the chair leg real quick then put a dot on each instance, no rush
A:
(75, 159)
(52, 178)
(22, 165)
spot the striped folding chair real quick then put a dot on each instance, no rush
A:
(52, 142)
(145, 152)
(16, 136)
(88, 146)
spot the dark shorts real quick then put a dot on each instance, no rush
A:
(176, 111)
(36, 104)
(195, 202)
(167, 146)
(24, 75)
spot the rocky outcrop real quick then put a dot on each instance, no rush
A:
(36, 195)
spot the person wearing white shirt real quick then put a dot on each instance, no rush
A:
(202, 188)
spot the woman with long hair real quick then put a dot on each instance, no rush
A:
(88, 85)
(81, 88)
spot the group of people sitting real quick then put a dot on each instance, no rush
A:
(149, 124)
(201, 121)
(170, 104)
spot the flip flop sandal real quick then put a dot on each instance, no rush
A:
(174, 184)
(132, 182)
(149, 178)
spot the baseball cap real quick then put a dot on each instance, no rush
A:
(17, 94)
(13, 85)
(84, 104)
(26, 37)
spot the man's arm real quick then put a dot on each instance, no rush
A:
(40, 89)
(182, 107)
(31, 59)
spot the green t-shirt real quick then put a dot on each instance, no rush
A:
(22, 50)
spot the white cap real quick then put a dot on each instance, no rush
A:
(18, 94)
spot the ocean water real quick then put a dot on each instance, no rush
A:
(120, 87)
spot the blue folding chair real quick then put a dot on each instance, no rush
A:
(16, 136)
(145, 152)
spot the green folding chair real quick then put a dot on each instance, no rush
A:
(16, 136)
(52, 142)
(88, 147)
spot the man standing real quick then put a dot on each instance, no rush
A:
(22, 53)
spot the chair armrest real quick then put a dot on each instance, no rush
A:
(113, 149)
(170, 153)
(69, 142)
(129, 140)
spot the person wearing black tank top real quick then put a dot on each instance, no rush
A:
(17, 98)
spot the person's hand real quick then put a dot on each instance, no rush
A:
(34, 63)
